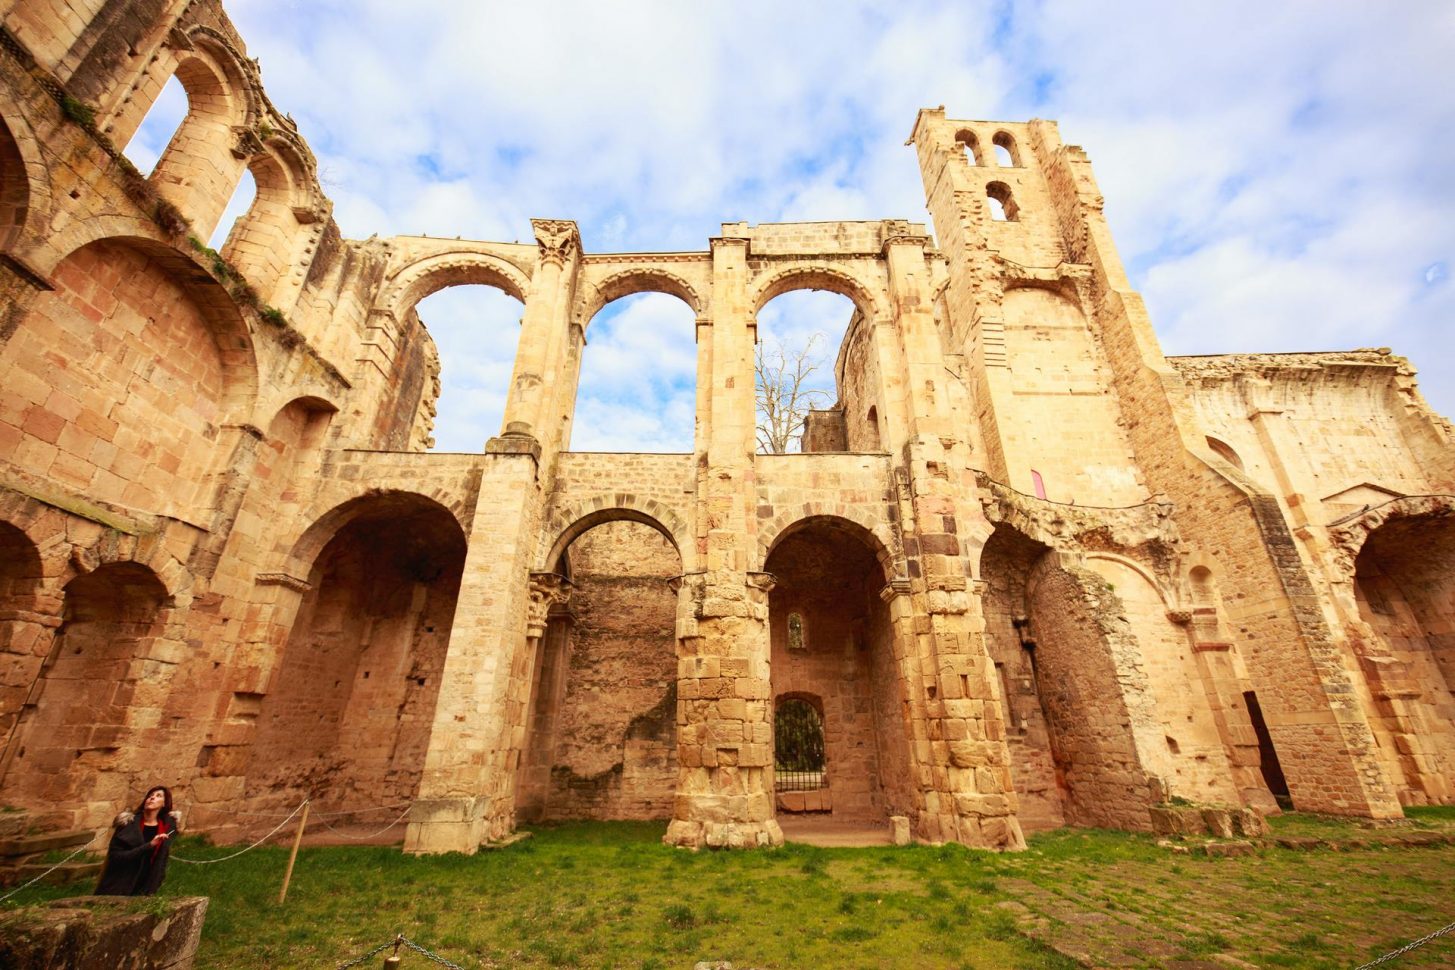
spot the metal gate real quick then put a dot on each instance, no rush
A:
(798, 755)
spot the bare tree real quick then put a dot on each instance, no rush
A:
(782, 393)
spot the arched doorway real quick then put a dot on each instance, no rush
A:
(839, 740)
(347, 716)
(601, 738)
(1404, 583)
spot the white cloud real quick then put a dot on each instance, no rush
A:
(1277, 176)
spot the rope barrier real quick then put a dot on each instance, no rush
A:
(206, 862)
(52, 869)
(1413, 944)
(396, 943)
(372, 835)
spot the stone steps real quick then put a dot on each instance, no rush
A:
(60, 876)
(21, 847)
(22, 851)
(13, 824)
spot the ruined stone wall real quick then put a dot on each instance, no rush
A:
(1063, 416)
(1083, 688)
(116, 386)
(859, 379)
(1191, 760)
(1323, 424)
(615, 749)
(212, 481)
(1004, 565)
(1305, 688)
(346, 717)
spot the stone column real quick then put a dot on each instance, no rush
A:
(958, 720)
(538, 750)
(724, 720)
(467, 788)
(543, 335)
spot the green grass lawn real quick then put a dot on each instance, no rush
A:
(611, 895)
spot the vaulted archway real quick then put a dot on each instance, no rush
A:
(601, 734)
(347, 712)
(832, 645)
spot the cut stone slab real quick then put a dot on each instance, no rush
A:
(104, 933)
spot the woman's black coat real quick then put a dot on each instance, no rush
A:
(133, 867)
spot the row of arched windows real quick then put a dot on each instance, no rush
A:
(247, 188)
(620, 403)
(1003, 151)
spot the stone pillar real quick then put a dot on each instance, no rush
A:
(548, 592)
(724, 696)
(538, 750)
(201, 167)
(467, 788)
(724, 718)
(958, 730)
(543, 336)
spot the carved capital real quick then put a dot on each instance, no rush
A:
(246, 142)
(547, 590)
(692, 582)
(895, 587)
(1180, 617)
(762, 582)
(559, 239)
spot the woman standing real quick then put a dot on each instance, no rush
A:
(136, 861)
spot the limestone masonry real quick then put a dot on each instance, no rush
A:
(1028, 572)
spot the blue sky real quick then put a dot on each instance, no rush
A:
(1278, 176)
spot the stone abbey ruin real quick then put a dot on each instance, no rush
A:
(1026, 572)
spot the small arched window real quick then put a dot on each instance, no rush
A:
(1006, 154)
(969, 146)
(1002, 206)
(796, 638)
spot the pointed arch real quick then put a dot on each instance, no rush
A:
(844, 518)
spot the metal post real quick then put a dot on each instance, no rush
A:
(293, 856)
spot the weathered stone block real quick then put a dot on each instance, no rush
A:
(103, 933)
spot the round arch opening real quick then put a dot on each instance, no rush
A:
(601, 731)
(840, 749)
(346, 715)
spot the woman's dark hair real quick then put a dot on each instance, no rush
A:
(166, 807)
